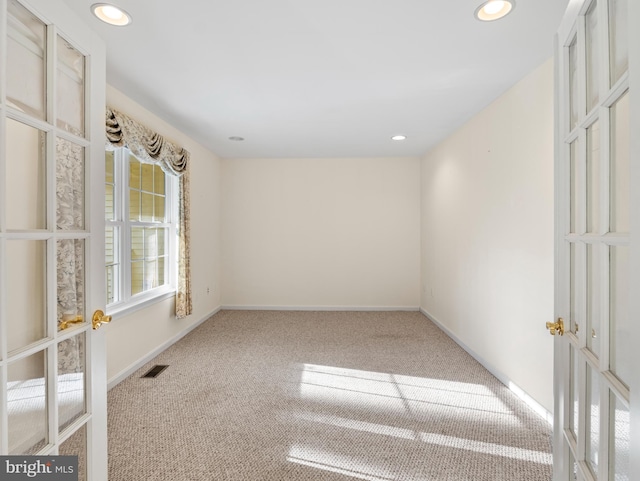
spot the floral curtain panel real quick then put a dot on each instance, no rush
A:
(151, 147)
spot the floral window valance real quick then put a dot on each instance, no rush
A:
(150, 147)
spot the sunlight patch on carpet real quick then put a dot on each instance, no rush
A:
(487, 448)
(453, 442)
(356, 425)
(399, 393)
(337, 463)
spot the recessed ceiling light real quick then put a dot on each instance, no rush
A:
(236, 138)
(111, 14)
(399, 137)
(494, 9)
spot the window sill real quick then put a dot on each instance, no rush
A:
(125, 309)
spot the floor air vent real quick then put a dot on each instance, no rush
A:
(155, 370)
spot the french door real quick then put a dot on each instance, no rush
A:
(52, 361)
(596, 358)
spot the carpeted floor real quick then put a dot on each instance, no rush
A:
(331, 396)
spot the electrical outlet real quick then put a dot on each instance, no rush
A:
(208, 290)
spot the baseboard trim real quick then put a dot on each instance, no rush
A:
(320, 308)
(503, 378)
(125, 373)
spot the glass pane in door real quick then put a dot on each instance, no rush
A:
(618, 39)
(575, 288)
(593, 178)
(573, 465)
(26, 404)
(620, 440)
(26, 57)
(26, 302)
(593, 65)
(70, 275)
(593, 299)
(70, 86)
(70, 183)
(573, 187)
(593, 420)
(71, 380)
(620, 349)
(573, 84)
(25, 183)
(620, 167)
(574, 394)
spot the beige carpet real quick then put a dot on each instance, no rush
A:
(332, 396)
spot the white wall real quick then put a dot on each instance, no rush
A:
(327, 233)
(487, 234)
(131, 338)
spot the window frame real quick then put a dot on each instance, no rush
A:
(128, 303)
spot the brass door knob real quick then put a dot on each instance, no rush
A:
(556, 327)
(99, 318)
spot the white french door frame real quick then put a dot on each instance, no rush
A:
(573, 25)
(62, 22)
(634, 308)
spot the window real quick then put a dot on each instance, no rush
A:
(140, 232)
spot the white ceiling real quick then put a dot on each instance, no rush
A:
(329, 78)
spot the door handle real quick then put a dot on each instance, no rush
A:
(556, 327)
(99, 318)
